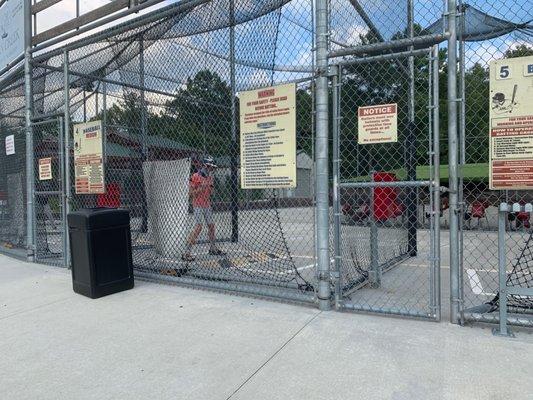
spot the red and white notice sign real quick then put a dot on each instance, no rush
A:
(45, 169)
(511, 124)
(378, 124)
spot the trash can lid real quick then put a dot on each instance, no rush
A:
(93, 218)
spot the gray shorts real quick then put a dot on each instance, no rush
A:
(202, 215)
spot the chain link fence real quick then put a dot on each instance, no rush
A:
(12, 189)
(166, 86)
(167, 92)
(503, 33)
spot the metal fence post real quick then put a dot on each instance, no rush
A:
(144, 147)
(336, 83)
(28, 83)
(502, 273)
(66, 150)
(411, 144)
(375, 269)
(455, 210)
(234, 162)
(436, 181)
(62, 167)
(322, 178)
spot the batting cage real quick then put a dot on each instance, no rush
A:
(335, 152)
(165, 88)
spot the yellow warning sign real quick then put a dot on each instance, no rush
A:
(268, 137)
(88, 158)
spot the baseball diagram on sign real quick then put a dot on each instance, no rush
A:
(511, 123)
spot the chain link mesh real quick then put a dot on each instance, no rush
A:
(505, 38)
(12, 190)
(167, 90)
(386, 232)
(48, 197)
(164, 92)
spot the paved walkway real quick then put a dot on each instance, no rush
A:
(163, 342)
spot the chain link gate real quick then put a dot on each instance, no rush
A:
(386, 207)
(50, 225)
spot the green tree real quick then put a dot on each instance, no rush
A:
(203, 108)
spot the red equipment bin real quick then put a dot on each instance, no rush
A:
(111, 198)
(386, 204)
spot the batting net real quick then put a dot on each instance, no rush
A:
(521, 275)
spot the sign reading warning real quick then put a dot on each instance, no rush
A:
(268, 137)
(88, 158)
(45, 169)
(511, 123)
(378, 124)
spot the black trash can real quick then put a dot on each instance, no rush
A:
(100, 248)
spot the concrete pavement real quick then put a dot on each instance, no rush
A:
(166, 342)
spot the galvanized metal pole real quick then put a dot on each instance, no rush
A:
(322, 179)
(375, 269)
(234, 161)
(336, 74)
(144, 148)
(28, 84)
(462, 138)
(62, 166)
(502, 272)
(143, 97)
(453, 172)
(436, 181)
(84, 105)
(66, 143)
(411, 144)
(104, 111)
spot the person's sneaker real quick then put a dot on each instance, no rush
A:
(216, 252)
(187, 257)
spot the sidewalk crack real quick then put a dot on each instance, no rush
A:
(273, 355)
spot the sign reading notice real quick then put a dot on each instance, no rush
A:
(11, 31)
(511, 123)
(10, 145)
(88, 158)
(268, 137)
(45, 169)
(378, 124)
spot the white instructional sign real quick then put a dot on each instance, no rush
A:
(511, 123)
(10, 145)
(377, 124)
(11, 31)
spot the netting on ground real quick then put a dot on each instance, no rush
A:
(164, 90)
(521, 272)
